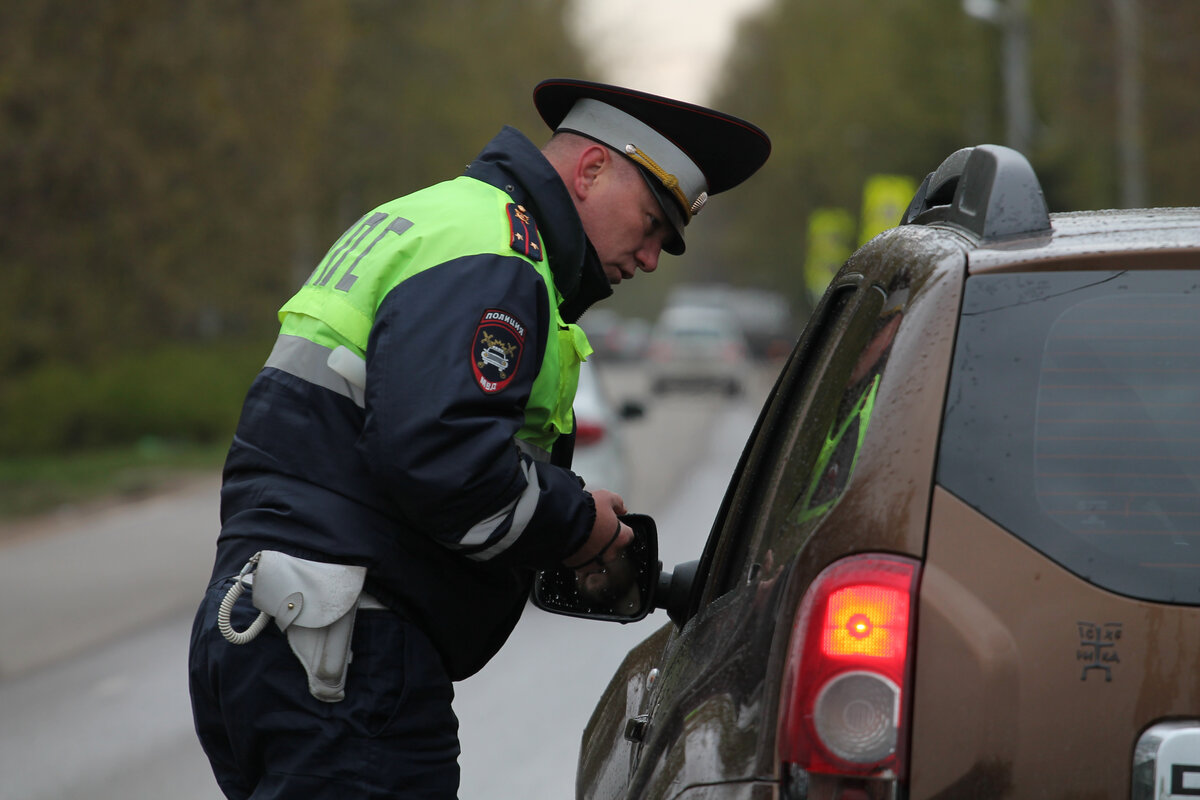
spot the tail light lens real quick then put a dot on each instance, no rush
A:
(733, 352)
(845, 697)
(588, 433)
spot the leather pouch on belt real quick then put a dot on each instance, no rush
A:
(314, 603)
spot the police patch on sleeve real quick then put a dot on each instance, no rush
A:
(524, 232)
(496, 350)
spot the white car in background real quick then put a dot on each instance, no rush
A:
(600, 457)
(763, 314)
(698, 346)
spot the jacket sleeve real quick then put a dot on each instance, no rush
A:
(442, 414)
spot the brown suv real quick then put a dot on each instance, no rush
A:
(960, 556)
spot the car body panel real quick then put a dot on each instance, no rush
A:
(733, 790)
(843, 462)
(606, 756)
(878, 512)
(900, 439)
(1165, 237)
(1031, 672)
(704, 703)
(704, 713)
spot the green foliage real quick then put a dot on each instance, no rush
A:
(167, 393)
(153, 183)
(172, 170)
(36, 484)
(846, 90)
(857, 87)
(1077, 68)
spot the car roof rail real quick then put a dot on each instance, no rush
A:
(989, 191)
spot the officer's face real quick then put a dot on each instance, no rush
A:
(624, 221)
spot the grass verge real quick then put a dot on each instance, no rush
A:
(34, 485)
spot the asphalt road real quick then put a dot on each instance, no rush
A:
(93, 698)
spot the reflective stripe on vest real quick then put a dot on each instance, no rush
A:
(310, 361)
(316, 364)
(522, 511)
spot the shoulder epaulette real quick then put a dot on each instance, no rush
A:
(524, 232)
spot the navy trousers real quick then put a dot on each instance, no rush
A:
(393, 736)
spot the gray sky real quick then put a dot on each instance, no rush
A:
(668, 47)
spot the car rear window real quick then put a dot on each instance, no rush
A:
(1073, 420)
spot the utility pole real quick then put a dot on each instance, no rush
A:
(1131, 150)
(1012, 17)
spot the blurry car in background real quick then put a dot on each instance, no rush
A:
(698, 346)
(959, 557)
(765, 316)
(614, 337)
(600, 457)
(635, 338)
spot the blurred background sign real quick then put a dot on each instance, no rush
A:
(885, 197)
(830, 243)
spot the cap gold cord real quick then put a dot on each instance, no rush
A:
(665, 178)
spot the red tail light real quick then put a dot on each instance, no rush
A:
(733, 352)
(845, 697)
(866, 620)
(587, 433)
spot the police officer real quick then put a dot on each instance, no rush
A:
(401, 465)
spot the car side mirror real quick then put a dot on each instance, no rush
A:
(675, 591)
(631, 409)
(557, 590)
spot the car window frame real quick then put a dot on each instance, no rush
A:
(850, 307)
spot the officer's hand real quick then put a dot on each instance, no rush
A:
(608, 532)
(604, 573)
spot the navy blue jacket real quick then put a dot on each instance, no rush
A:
(396, 482)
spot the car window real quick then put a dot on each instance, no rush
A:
(806, 453)
(1073, 420)
(838, 455)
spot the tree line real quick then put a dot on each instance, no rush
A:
(172, 170)
(863, 87)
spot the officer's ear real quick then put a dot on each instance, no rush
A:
(593, 161)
